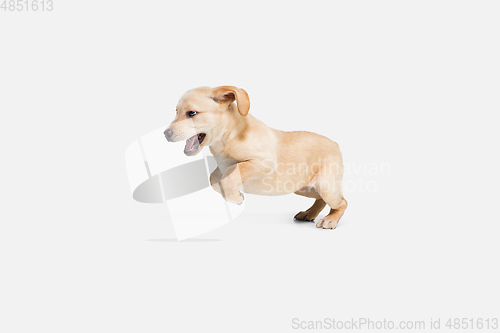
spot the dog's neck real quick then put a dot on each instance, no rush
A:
(235, 125)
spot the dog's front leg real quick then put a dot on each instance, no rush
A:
(215, 178)
(235, 176)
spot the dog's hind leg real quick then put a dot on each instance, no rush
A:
(315, 209)
(331, 220)
(312, 212)
(329, 187)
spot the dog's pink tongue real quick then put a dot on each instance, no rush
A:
(190, 143)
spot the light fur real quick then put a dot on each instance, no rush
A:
(254, 158)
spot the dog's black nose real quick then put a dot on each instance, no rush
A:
(168, 134)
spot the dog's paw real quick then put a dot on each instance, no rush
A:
(328, 223)
(302, 216)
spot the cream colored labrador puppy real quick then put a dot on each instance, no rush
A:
(256, 159)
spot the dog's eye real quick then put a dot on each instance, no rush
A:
(191, 113)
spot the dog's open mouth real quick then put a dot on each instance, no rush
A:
(193, 144)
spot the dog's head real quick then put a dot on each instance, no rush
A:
(203, 114)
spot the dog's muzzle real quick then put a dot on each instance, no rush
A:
(168, 134)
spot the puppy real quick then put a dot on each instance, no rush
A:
(253, 158)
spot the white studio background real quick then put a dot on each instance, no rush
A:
(409, 85)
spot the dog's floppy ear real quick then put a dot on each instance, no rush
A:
(228, 94)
